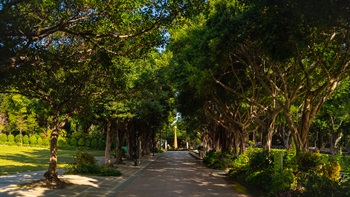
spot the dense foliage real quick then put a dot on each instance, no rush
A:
(77, 59)
(307, 174)
(227, 75)
(86, 163)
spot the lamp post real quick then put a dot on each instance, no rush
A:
(175, 138)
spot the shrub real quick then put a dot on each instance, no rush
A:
(73, 142)
(76, 134)
(101, 144)
(18, 139)
(81, 142)
(310, 162)
(332, 170)
(260, 160)
(283, 181)
(320, 186)
(210, 158)
(40, 141)
(11, 139)
(261, 179)
(61, 142)
(33, 140)
(25, 139)
(241, 162)
(85, 163)
(217, 160)
(46, 141)
(87, 142)
(156, 150)
(3, 138)
(93, 143)
(109, 172)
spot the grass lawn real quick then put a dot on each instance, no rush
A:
(15, 159)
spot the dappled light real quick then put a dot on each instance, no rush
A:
(178, 173)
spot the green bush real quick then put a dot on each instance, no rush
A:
(61, 142)
(283, 181)
(93, 143)
(46, 141)
(332, 169)
(260, 160)
(260, 179)
(73, 142)
(25, 139)
(101, 144)
(81, 142)
(76, 134)
(40, 141)
(320, 186)
(85, 163)
(218, 160)
(18, 139)
(210, 158)
(305, 174)
(109, 172)
(33, 140)
(241, 162)
(11, 139)
(156, 150)
(87, 142)
(3, 138)
(310, 161)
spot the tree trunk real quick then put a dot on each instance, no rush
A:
(20, 136)
(335, 139)
(130, 143)
(51, 174)
(286, 137)
(242, 147)
(108, 144)
(119, 150)
(270, 129)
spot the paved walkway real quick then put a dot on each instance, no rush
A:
(168, 174)
(177, 174)
(87, 186)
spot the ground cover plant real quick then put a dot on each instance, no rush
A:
(303, 174)
(15, 159)
(85, 163)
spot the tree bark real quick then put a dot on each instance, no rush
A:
(108, 143)
(119, 150)
(51, 174)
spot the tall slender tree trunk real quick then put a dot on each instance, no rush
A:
(21, 137)
(119, 150)
(270, 129)
(108, 143)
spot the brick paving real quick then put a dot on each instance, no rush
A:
(177, 174)
(174, 173)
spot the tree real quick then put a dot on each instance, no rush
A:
(333, 117)
(283, 57)
(21, 113)
(308, 75)
(57, 54)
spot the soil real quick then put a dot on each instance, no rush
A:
(47, 184)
